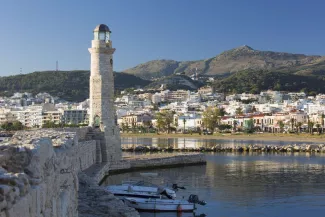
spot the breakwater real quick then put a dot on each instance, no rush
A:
(41, 175)
(318, 148)
(56, 173)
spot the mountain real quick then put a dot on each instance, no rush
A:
(234, 60)
(154, 69)
(68, 85)
(175, 82)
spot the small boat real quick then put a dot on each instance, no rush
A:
(164, 205)
(141, 189)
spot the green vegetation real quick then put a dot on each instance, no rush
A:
(52, 124)
(249, 126)
(211, 117)
(164, 121)
(69, 85)
(12, 126)
(256, 81)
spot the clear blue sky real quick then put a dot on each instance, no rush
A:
(36, 33)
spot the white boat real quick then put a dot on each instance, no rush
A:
(141, 189)
(154, 204)
(160, 205)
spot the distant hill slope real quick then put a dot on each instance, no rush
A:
(255, 81)
(175, 82)
(68, 85)
(234, 60)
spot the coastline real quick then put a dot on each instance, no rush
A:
(263, 137)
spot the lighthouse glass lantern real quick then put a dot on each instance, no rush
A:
(102, 32)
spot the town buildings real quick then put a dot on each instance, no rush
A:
(270, 111)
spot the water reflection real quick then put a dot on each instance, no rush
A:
(178, 143)
(250, 184)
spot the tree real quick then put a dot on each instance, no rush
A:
(323, 122)
(311, 126)
(292, 121)
(223, 127)
(184, 123)
(133, 125)
(239, 111)
(222, 112)
(14, 126)
(249, 126)
(125, 127)
(147, 125)
(318, 128)
(164, 120)
(211, 117)
(281, 125)
(49, 124)
(298, 125)
(234, 126)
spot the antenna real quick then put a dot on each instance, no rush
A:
(57, 65)
(21, 70)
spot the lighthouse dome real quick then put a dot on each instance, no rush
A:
(102, 28)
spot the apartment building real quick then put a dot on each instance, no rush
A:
(75, 117)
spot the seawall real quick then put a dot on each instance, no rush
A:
(56, 172)
(41, 175)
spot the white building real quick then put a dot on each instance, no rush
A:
(156, 98)
(189, 122)
(30, 116)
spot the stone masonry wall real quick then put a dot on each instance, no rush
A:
(39, 173)
(87, 154)
(173, 160)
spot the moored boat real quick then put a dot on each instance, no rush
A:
(163, 205)
(141, 189)
(155, 204)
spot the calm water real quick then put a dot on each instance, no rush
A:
(196, 143)
(249, 184)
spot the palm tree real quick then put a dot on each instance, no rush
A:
(323, 122)
(318, 127)
(311, 126)
(184, 122)
(281, 125)
(292, 120)
(299, 124)
(308, 124)
(239, 111)
(235, 125)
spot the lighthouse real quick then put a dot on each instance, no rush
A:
(101, 94)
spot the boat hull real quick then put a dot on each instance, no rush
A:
(160, 205)
(137, 191)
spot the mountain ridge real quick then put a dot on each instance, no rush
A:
(229, 61)
(68, 85)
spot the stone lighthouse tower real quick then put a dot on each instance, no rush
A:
(101, 94)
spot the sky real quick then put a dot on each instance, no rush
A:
(37, 33)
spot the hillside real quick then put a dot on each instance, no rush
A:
(68, 85)
(234, 60)
(175, 82)
(255, 81)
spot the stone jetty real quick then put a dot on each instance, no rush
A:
(41, 175)
(317, 148)
(56, 173)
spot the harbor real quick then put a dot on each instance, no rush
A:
(251, 183)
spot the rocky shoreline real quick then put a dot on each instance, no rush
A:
(320, 148)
